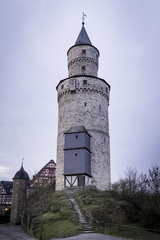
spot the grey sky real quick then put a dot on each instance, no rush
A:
(35, 38)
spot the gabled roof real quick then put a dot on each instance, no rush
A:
(77, 129)
(83, 37)
(45, 166)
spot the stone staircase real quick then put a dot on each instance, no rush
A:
(86, 226)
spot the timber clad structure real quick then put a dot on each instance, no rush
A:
(83, 101)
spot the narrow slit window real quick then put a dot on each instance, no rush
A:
(83, 53)
(76, 154)
(84, 82)
(76, 136)
(83, 69)
(85, 104)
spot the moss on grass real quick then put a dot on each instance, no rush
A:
(109, 210)
(59, 218)
(56, 228)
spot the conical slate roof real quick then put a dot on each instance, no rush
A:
(83, 37)
(21, 174)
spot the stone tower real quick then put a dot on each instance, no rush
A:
(83, 144)
(20, 184)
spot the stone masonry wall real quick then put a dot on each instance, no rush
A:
(18, 200)
(84, 101)
(77, 59)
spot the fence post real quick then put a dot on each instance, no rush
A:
(41, 229)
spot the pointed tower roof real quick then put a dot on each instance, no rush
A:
(83, 37)
(21, 174)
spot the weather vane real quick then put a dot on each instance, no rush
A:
(83, 18)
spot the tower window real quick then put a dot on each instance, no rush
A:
(85, 104)
(83, 53)
(76, 136)
(76, 154)
(83, 69)
(62, 86)
(84, 82)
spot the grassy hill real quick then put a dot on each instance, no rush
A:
(59, 218)
(107, 213)
(112, 215)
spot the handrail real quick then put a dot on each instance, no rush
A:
(112, 224)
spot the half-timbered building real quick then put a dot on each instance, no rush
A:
(45, 176)
(5, 196)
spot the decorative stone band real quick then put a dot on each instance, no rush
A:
(85, 89)
(83, 59)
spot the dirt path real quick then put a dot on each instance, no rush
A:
(91, 236)
(9, 232)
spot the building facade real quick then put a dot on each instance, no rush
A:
(23, 187)
(83, 143)
(45, 176)
(6, 188)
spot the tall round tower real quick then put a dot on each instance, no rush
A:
(83, 145)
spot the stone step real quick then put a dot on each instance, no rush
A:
(88, 231)
(86, 227)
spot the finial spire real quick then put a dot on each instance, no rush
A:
(22, 161)
(83, 18)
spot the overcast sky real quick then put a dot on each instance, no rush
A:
(35, 36)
